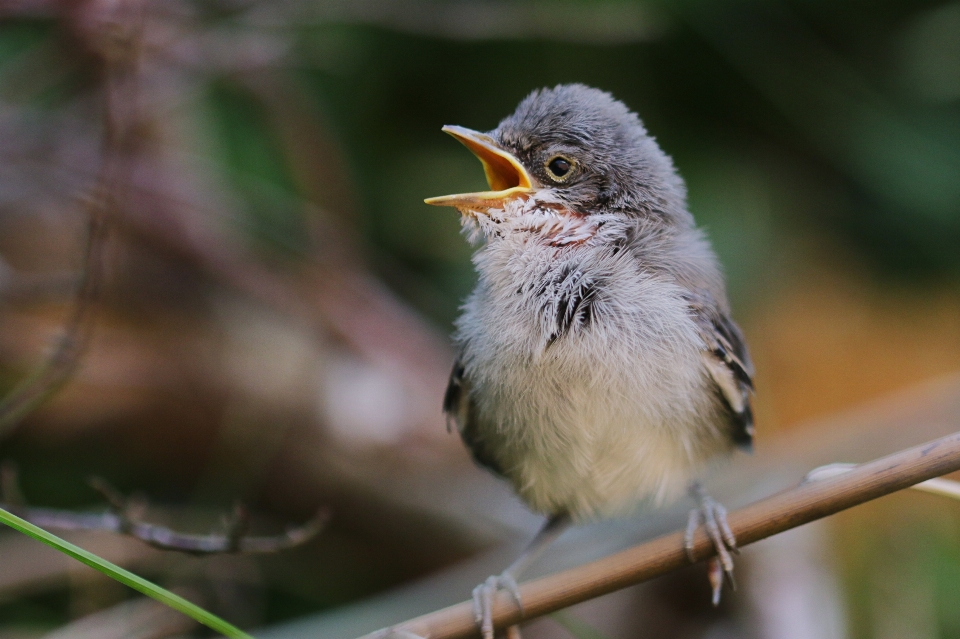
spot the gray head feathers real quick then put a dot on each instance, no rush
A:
(616, 166)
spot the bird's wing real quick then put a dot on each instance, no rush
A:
(726, 358)
(460, 410)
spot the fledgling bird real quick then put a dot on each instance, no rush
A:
(598, 365)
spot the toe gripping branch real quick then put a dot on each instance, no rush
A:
(483, 600)
(484, 594)
(714, 518)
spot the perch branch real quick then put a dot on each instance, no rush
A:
(807, 502)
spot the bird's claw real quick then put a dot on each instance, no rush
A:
(714, 518)
(483, 600)
(715, 576)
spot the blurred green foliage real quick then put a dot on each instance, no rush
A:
(782, 118)
(250, 155)
(902, 569)
(835, 119)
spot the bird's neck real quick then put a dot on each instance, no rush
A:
(532, 222)
(524, 251)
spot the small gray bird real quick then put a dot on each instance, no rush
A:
(598, 366)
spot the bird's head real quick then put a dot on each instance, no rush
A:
(572, 153)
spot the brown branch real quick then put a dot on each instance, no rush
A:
(124, 518)
(29, 287)
(50, 376)
(116, 38)
(783, 511)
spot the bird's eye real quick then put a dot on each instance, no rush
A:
(559, 168)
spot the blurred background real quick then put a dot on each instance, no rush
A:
(262, 309)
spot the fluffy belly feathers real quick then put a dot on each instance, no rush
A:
(600, 418)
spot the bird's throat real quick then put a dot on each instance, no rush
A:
(546, 223)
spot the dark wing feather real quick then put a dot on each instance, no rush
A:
(733, 348)
(461, 411)
(729, 364)
(453, 398)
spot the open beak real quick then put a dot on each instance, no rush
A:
(505, 175)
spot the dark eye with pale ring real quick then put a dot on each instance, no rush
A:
(559, 167)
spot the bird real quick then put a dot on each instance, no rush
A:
(598, 369)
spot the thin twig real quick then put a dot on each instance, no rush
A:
(124, 518)
(165, 538)
(939, 486)
(120, 90)
(808, 502)
(50, 376)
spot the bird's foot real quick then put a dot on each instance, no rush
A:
(483, 600)
(714, 518)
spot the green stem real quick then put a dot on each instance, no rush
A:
(126, 577)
